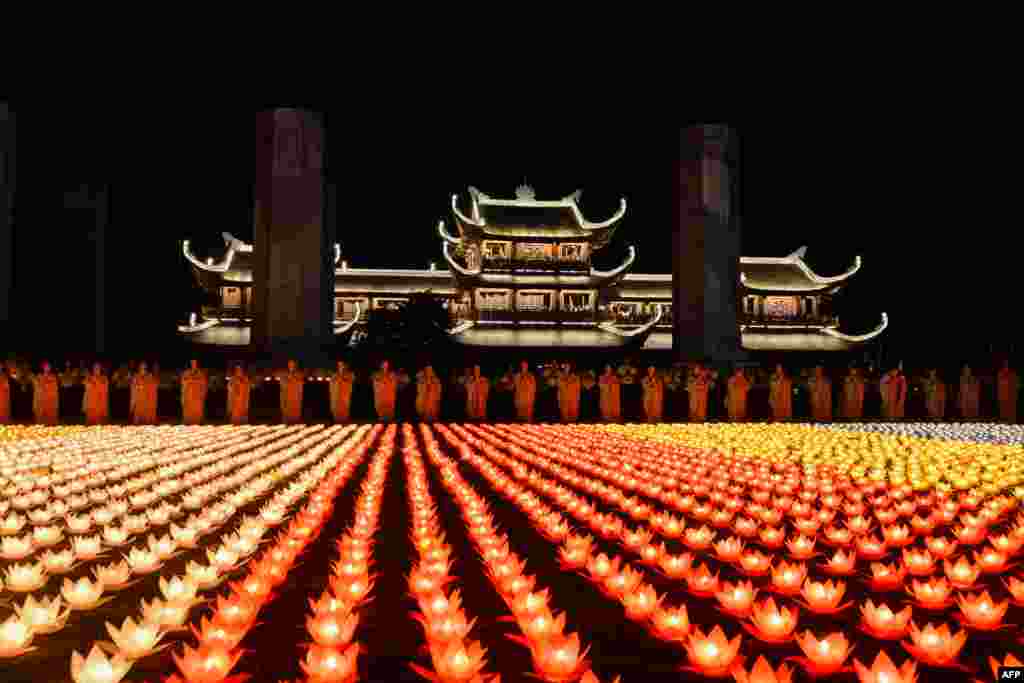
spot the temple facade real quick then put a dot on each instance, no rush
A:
(519, 274)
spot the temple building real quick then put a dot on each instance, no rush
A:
(519, 274)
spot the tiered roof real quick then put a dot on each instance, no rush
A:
(527, 217)
(789, 274)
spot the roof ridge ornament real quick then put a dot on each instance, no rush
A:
(799, 253)
(525, 193)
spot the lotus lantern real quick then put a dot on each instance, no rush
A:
(97, 668)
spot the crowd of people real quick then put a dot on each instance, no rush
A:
(827, 400)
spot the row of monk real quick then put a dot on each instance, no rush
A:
(518, 394)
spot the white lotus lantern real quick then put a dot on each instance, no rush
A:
(178, 590)
(115, 536)
(16, 547)
(47, 536)
(115, 576)
(43, 616)
(26, 578)
(97, 668)
(58, 562)
(143, 561)
(167, 615)
(82, 594)
(15, 638)
(78, 524)
(185, 537)
(135, 640)
(204, 576)
(87, 547)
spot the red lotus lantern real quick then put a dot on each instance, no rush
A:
(737, 600)
(935, 594)
(881, 622)
(824, 598)
(329, 665)
(935, 646)
(772, 624)
(712, 655)
(980, 612)
(886, 577)
(841, 563)
(824, 657)
(962, 574)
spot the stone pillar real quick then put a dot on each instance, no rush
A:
(706, 246)
(294, 269)
(6, 221)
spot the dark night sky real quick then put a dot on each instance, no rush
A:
(839, 184)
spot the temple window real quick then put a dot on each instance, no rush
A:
(345, 307)
(232, 297)
(493, 299)
(780, 307)
(535, 300)
(533, 251)
(497, 250)
(570, 252)
(388, 303)
(576, 302)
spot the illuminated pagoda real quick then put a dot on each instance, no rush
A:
(520, 275)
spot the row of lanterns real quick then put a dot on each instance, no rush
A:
(332, 656)
(44, 616)
(935, 646)
(557, 657)
(455, 658)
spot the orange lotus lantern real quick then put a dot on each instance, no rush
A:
(962, 574)
(970, 535)
(559, 659)
(755, 563)
(824, 598)
(772, 538)
(772, 624)
(801, 547)
(824, 657)
(881, 622)
(671, 624)
(935, 594)
(328, 665)
(1008, 661)
(992, 561)
(330, 630)
(918, 562)
(729, 550)
(218, 636)
(601, 568)
(651, 555)
(206, 664)
(712, 655)
(622, 582)
(841, 563)
(884, 671)
(235, 611)
(935, 646)
(542, 627)
(737, 600)
(940, 547)
(887, 577)
(870, 548)
(701, 582)
(762, 672)
(699, 539)
(641, 602)
(980, 612)
(788, 578)
(897, 536)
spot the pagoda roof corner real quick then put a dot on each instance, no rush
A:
(789, 274)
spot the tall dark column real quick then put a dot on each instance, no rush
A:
(706, 246)
(6, 205)
(99, 236)
(291, 250)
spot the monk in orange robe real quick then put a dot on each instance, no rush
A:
(428, 395)
(385, 392)
(935, 396)
(969, 395)
(853, 395)
(736, 396)
(340, 387)
(610, 387)
(653, 395)
(238, 397)
(1007, 385)
(46, 396)
(142, 405)
(525, 384)
(5, 398)
(821, 395)
(478, 388)
(194, 385)
(894, 395)
(569, 388)
(697, 388)
(293, 383)
(96, 401)
(780, 395)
